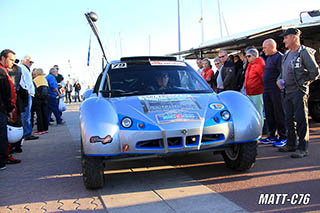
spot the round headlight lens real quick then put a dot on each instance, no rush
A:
(225, 115)
(126, 122)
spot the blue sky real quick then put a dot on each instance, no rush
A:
(56, 31)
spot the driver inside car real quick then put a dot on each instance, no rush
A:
(162, 80)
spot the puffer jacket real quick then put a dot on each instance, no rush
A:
(253, 80)
(306, 68)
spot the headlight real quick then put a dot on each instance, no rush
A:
(225, 115)
(126, 122)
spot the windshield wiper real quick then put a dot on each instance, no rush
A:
(132, 93)
(120, 92)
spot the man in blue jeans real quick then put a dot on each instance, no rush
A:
(273, 103)
(27, 84)
(54, 94)
(299, 69)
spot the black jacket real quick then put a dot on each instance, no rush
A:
(5, 92)
(228, 75)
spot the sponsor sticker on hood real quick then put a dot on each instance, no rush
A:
(216, 106)
(158, 103)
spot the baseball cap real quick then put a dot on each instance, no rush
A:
(292, 31)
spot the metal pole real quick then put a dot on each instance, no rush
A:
(120, 45)
(149, 45)
(179, 41)
(220, 18)
(201, 21)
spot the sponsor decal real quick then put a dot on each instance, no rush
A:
(174, 116)
(97, 139)
(216, 106)
(158, 103)
(167, 63)
(119, 66)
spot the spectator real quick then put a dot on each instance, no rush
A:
(54, 94)
(242, 73)
(200, 66)
(61, 85)
(59, 78)
(207, 72)
(253, 80)
(272, 95)
(216, 79)
(21, 97)
(238, 69)
(299, 69)
(231, 57)
(68, 89)
(7, 103)
(227, 72)
(77, 88)
(27, 84)
(40, 103)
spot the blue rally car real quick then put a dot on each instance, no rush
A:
(155, 106)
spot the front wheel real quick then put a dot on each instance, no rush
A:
(92, 172)
(240, 156)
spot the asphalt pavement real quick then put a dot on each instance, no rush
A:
(49, 180)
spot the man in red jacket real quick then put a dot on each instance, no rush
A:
(253, 79)
(7, 103)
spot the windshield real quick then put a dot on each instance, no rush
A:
(141, 79)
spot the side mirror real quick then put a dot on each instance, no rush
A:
(87, 94)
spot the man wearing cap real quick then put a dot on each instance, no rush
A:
(27, 84)
(299, 69)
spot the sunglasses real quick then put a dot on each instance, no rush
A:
(222, 56)
(248, 56)
(216, 63)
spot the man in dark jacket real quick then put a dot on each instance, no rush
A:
(6, 104)
(299, 69)
(228, 73)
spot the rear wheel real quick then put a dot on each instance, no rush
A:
(240, 156)
(92, 171)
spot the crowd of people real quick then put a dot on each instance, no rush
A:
(24, 94)
(276, 83)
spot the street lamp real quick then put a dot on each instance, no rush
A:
(91, 18)
(311, 13)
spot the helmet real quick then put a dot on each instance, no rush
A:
(15, 134)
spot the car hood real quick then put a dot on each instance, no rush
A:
(164, 110)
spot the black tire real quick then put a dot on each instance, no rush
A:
(240, 156)
(92, 172)
(315, 111)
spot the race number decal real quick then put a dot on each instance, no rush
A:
(119, 66)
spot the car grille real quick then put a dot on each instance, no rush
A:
(158, 143)
(176, 142)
